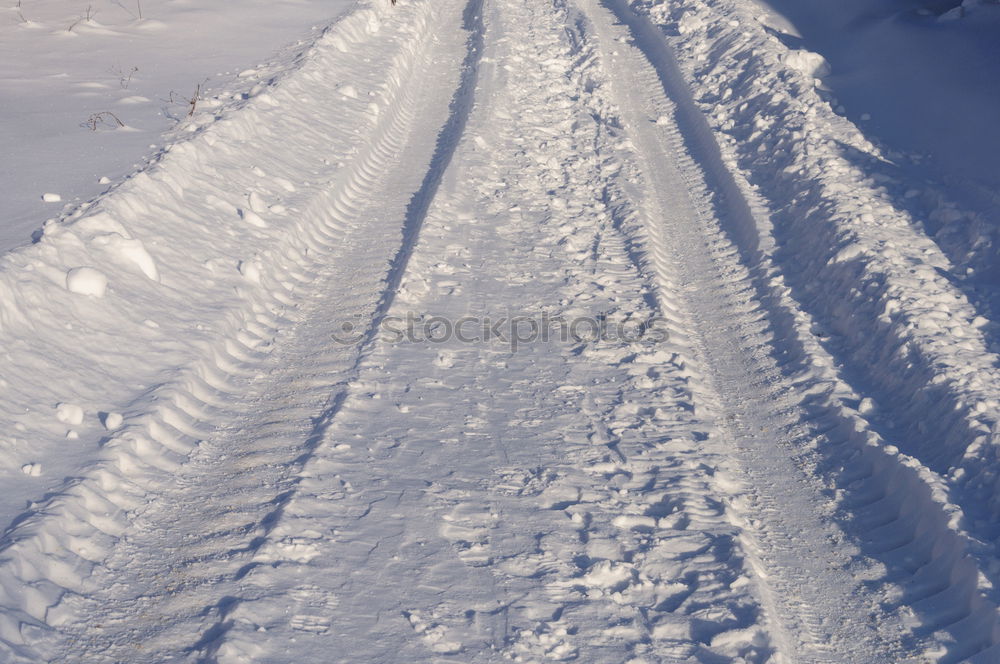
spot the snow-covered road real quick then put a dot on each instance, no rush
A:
(471, 335)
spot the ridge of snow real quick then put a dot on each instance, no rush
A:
(870, 290)
(176, 316)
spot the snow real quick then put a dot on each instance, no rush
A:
(69, 413)
(920, 76)
(811, 64)
(32, 469)
(251, 217)
(59, 68)
(86, 281)
(344, 356)
(112, 421)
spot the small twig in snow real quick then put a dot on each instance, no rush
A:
(124, 78)
(130, 12)
(194, 100)
(103, 118)
(88, 17)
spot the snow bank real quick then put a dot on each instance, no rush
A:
(857, 263)
(861, 284)
(76, 70)
(131, 316)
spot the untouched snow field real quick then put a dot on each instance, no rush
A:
(483, 331)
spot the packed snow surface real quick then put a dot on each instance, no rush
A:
(485, 331)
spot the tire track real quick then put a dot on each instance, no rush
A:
(717, 497)
(142, 604)
(294, 514)
(493, 504)
(823, 434)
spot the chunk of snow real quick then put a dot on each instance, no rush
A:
(811, 64)
(69, 413)
(250, 270)
(135, 251)
(689, 23)
(51, 198)
(86, 281)
(252, 218)
(32, 469)
(112, 421)
(607, 574)
(256, 202)
(132, 251)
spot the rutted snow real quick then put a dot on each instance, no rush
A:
(798, 468)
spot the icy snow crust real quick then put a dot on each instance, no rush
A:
(804, 471)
